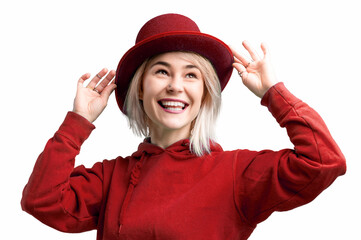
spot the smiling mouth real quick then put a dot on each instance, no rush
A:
(173, 106)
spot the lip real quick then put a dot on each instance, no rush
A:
(173, 100)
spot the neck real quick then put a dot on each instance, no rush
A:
(164, 138)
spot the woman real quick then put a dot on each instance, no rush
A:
(179, 184)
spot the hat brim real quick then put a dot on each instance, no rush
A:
(217, 52)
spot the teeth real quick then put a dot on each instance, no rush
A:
(173, 104)
(172, 109)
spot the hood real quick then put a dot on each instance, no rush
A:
(179, 150)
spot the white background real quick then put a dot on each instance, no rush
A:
(47, 45)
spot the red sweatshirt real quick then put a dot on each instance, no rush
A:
(172, 194)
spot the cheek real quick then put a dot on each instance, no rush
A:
(152, 85)
(147, 89)
(198, 94)
(149, 93)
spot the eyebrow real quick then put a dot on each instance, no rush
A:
(161, 63)
(168, 65)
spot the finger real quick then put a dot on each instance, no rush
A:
(106, 81)
(242, 71)
(240, 58)
(251, 50)
(264, 48)
(239, 67)
(97, 78)
(83, 78)
(108, 90)
(237, 60)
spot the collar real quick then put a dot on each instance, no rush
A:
(179, 149)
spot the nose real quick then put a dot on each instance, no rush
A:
(175, 85)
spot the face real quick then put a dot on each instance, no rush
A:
(172, 91)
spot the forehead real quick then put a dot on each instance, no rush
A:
(174, 58)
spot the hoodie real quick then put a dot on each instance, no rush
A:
(171, 193)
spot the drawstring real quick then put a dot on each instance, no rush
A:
(134, 178)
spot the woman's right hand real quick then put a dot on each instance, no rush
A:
(90, 101)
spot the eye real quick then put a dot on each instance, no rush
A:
(191, 75)
(161, 72)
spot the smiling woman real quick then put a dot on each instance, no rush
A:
(186, 86)
(180, 184)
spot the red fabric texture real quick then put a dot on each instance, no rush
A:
(172, 194)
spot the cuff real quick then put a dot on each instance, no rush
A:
(279, 100)
(76, 128)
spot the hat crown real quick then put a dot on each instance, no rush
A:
(166, 23)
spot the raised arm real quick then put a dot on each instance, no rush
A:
(60, 196)
(269, 181)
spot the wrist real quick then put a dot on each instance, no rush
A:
(267, 88)
(85, 116)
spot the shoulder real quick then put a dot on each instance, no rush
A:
(238, 153)
(243, 159)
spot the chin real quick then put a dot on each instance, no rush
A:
(176, 125)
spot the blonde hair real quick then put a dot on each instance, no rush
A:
(203, 125)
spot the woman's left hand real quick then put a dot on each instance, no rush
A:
(257, 75)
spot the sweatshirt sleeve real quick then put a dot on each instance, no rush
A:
(269, 181)
(58, 195)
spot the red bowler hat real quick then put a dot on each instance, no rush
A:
(168, 33)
